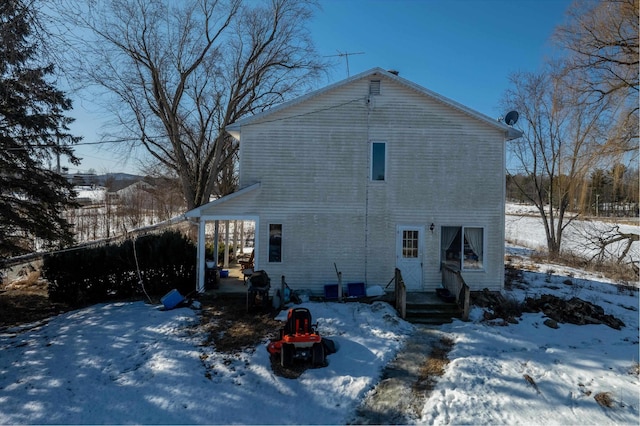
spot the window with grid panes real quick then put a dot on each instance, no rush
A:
(410, 244)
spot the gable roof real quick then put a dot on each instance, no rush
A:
(511, 133)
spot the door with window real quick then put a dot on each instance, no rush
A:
(409, 254)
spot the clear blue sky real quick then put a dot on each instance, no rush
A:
(461, 49)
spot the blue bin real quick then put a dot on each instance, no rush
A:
(172, 299)
(356, 290)
(331, 291)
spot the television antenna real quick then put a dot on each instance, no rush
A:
(345, 55)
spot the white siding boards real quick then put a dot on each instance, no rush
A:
(314, 159)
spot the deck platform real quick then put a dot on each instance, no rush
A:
(234, 283)
(422, 307)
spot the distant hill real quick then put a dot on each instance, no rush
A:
(88, 179)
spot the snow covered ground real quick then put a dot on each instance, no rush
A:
(523, 226)
(134, 363)
(485, 382)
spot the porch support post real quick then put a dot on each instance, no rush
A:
(216, 235)
(226, 243)
(201, 254)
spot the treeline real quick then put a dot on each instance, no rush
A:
(119, 210)
(609, 193)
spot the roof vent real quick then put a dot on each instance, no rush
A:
(394, 72)
(374, 87)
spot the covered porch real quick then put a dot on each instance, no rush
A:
(227, 222)
(232, 234)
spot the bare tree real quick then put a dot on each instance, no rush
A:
(568, 112)
(555, 153)
(602, 38)
(609, 242)
(179, 72)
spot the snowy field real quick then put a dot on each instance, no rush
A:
(523, 226)
(134, 363)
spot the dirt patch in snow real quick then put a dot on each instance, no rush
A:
(230, 329)
(558, 310)
(407, 381)
(434, 365)
(25, 300)
(573, 311)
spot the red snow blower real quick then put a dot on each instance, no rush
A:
(299, 340)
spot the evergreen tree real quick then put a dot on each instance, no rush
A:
(33, 131)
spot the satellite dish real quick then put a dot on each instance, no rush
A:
(511, 118)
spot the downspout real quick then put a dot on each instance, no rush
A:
(367, 183)
(504, 201)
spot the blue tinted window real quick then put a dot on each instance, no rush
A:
(378, 161)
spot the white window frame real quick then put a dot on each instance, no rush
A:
(461, 261)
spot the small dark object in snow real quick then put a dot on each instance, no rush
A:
(604, 399)
(532, 382)
(329, 346)
(551, 323)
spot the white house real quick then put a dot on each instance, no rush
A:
(369, 174)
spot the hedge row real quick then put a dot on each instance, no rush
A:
(107, 273)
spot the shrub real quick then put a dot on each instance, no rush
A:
(110, 272)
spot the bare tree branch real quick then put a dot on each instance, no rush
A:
(185, 70)
(603, 41)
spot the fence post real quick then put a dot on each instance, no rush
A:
(465, 304)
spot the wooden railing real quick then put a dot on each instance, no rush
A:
(453, 281)
(400, 294)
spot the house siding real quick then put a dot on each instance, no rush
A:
(312, 161)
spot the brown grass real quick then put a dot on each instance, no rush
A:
(532, 382)
(26, 300)
(434, 365)
(623, 273)
(230, 328)
(604, 399)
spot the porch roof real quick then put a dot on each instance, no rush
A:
(200, 211)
